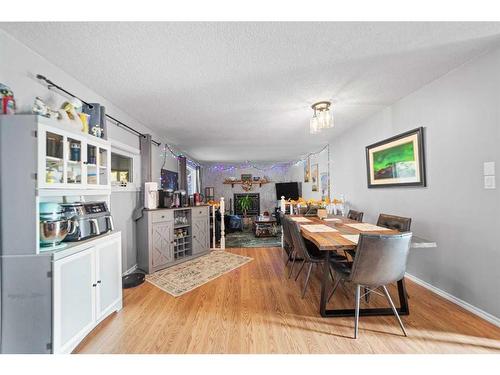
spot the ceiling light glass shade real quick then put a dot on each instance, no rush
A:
(314, 125)
(322, 117)
(325, 119)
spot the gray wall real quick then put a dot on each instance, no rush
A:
(122, 206)
(460, 113)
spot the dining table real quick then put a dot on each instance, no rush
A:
(339, 234)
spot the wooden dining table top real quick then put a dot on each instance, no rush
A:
(329, 241)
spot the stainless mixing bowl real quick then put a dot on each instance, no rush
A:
(52, 232)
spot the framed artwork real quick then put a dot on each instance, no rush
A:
(168, 179)
(397, 161)
(307, 169)
(209, 193)
(324, 185)
(314, 177)
(246, 177)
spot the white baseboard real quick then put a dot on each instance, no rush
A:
(467, 306)
(130, 270)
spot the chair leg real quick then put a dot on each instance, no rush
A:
(331, 274)
(307, 280)
(293, 263)
(334, 288)
(394, 309)
(300, 270)
(288, 257)
(367, 294)
(356, 314)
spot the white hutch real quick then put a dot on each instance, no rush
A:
(52, 299)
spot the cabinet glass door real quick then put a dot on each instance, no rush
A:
(91, 165)
(103, 166)
(54, 158)
(74, 160)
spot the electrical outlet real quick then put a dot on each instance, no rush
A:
(489, 182)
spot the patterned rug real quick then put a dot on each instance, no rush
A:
(248, 239)
(184, 277)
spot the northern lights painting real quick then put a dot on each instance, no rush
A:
(397, 161)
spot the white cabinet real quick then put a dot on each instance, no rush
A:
(74, 311)
(86, 289)
(71, 160)
(109, 276)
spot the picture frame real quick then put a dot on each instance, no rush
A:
(246, 177)
(324, 185)
(307, 169)
(397, 161)
(314, 177)
(169, 179)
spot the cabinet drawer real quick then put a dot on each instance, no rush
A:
(162, 216)
(199, 211)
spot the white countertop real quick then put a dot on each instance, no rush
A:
(75, 247)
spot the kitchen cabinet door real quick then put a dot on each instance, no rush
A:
(73, 299)
(201, 234)
(108, 276)
(162, 243)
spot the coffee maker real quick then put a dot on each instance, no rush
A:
(150, 195)
(166, 198)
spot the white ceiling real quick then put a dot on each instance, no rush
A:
(242, 91)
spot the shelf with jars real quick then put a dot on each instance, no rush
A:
(69, 159)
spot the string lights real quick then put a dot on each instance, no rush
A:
(175, 155)
(276, 167)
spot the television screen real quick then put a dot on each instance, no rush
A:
(290, 190)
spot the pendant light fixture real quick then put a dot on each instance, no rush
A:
(322, 117)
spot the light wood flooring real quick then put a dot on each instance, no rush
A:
(257, 309)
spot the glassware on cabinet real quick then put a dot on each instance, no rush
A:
(54, 163)
(103, 166)
(91, 165)
(74, 166)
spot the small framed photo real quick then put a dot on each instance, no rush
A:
(246, 177)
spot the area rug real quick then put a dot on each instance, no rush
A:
(184, 277)
(248, 239)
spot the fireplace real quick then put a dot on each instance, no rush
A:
(255, 207)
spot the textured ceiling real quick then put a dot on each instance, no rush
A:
(242, 91)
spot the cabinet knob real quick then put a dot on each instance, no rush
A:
(94, 285)
(98, 281)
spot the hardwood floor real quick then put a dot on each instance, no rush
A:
(257, 309)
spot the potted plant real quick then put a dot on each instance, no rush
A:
(245, 204)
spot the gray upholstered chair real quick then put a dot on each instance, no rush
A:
(355, 215)
(287, 241)
(309, 252)
(380, 260)
(399, 223)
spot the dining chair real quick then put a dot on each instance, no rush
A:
(310, 253)
(398, 223)
(287, 240)
(379, 260)
(355, 215)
